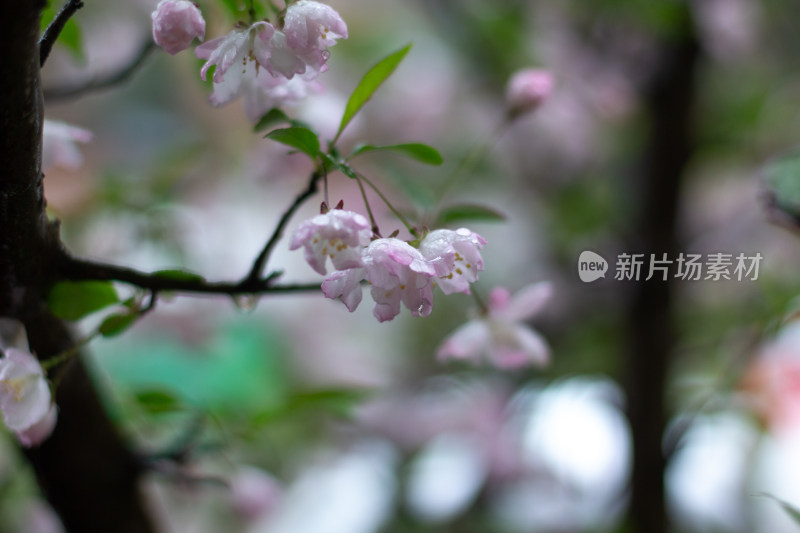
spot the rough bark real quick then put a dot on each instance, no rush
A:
(84, 469)
(669, 100)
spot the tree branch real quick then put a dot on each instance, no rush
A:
(53, 30)
(263, 257)
(109, 80)
(76, 269)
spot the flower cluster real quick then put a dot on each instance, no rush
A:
(25, 399)
(396, 271)
(268, 66)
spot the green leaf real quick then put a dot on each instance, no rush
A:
(71, 300)
(179, 275)
(418, 151)
(782, 177)
(302, 139)
(368, 85)
(156, 401)
(344, 168)
(791, 510)
(467, 213)
(338, 402)
(117, 323)
(271, 118)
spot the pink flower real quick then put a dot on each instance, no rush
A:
(398, 274)
(527, 89)
(176, 23)
(38, 432)
(456, 257)
(240, 47)
(24, 392)
(59, 144)
(337, 234)
(286, 61)
(500, 335)
(312, 25)
(254, 492)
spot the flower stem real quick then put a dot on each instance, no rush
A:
(375, 229)
(411, 229)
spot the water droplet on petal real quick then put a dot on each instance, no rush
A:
(246, 303)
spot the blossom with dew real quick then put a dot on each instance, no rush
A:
(176, 23)
(59, 147)
(500, 334)
(397, 272)
(238, 49)
(456, 257)
(24, 393)
(338, 234)
(311, 25)
(527, 89)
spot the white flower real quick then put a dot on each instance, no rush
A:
(237, 49)
(59, 144)
(24, 392)
(176, 23)
(501, 335)
(38, 432)
(338, 234)
(456, 257)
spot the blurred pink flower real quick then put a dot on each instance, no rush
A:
(24, 392)
(38, 432)
(527, 89)
(500, 334)
(312, 25)
(254, 493)
(176, 23)
(337, 234)
(456, 257)
(58, 144)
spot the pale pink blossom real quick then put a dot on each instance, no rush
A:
(286, 61)
(40, 431)
(338, 234)
(266, 92)
(59, 146)
(500, 334)
(456, 257)
(397, 272)
(254, 493)
(312, 25)
(238, 49)
(24, 393)
(527, 89)
(176, 23)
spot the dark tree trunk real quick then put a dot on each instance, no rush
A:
(84, 469)
(669, 102)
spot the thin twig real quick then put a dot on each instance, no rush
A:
(263, 257)
(53, 30)
(97, 83)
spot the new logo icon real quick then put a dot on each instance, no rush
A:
(591, 266)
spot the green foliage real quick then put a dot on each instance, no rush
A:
(368, 85)
(117, 323)
(782, 176)
(276, 116)
(417, 151)
(71, 36)
(303, 139)
(157, 401)
(71, 300)
(338, 402)
(460, 213)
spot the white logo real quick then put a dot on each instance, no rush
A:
(591, 266)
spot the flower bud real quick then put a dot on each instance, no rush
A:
(527, 89)
(176, 23)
